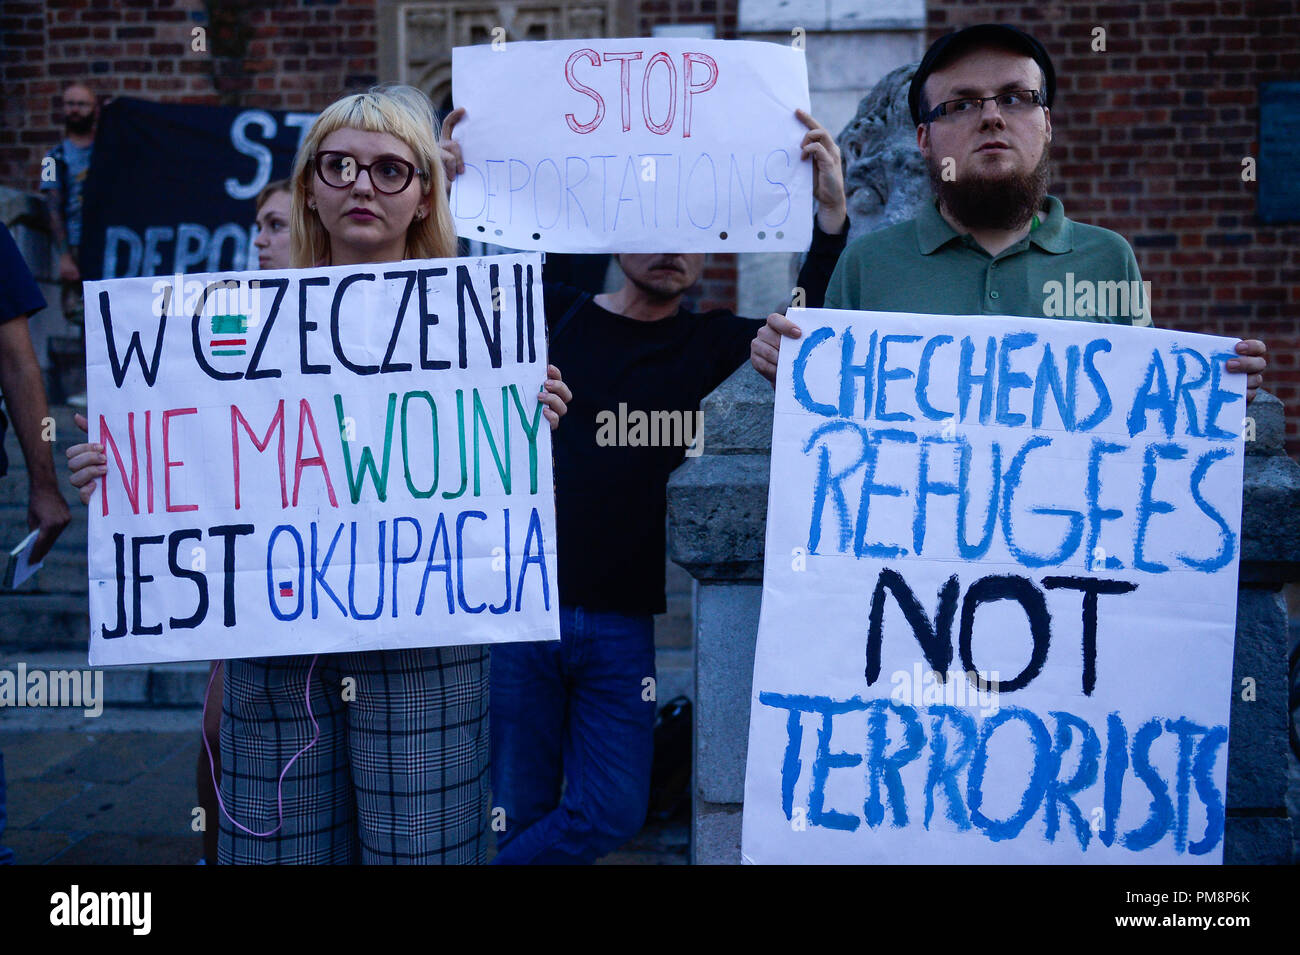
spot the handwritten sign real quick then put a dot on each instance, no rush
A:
(999, 594)
(320, 460)
(633, 145)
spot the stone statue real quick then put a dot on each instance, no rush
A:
(884, 174)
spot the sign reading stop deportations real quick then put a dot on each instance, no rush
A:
(633, 145)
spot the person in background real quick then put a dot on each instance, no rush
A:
(63, 180)
(24, 399)
(272, 242)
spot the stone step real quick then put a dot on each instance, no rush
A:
(49, 621)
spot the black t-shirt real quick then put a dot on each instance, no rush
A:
(636, 385)
(20, 296)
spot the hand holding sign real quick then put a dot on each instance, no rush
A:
(828, 174)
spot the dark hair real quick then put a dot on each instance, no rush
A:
(951, 46)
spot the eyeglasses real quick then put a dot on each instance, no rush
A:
(388, 174)
(1012, 103)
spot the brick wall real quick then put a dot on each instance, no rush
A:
(1148, 140)
(287, 54)
(717, 285)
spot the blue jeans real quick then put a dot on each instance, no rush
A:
(578, 710)
(6, 855)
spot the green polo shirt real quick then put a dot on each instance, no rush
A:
(1062, 269)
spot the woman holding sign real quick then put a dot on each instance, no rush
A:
(399, 773)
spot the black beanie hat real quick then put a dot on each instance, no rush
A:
(951, 45)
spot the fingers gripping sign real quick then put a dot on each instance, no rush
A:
(765, 349)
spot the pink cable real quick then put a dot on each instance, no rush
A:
(279, 787)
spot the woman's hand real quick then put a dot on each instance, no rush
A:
(86, 462)
(555, 396)
(452, 164)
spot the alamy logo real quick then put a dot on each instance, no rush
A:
(83, 689)
(1088, 299)
(75, 907)
(653, 429)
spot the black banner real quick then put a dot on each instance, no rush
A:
(171, 187)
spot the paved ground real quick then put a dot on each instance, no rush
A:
(119, 790)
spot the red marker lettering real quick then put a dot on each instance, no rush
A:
(594, 58)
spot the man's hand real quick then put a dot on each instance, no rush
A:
(68, 270)
(452, 163)
(555, 396)
(1252, 362)
(766, 346)
(47, 510)
(828, 174)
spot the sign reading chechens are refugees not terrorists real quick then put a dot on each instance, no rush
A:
(999, 593)
(316, 460)
(654, 144)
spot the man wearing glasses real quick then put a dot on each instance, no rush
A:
(981, 99)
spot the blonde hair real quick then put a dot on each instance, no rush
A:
(400, 111)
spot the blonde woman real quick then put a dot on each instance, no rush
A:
(400, 774)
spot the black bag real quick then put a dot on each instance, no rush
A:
(670, 776)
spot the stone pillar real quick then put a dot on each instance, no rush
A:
(1257, 827)
(850, 45)
(717, 503)
(717, 517)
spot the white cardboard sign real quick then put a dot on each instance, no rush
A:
(654, 144)
(320, 460)
(1046, 513)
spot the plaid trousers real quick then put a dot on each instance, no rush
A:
(399, 774)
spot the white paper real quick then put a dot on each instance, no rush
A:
(570, 147)
(22, 568)
(448, 537)
(844, 762)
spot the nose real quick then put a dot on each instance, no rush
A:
(995, 117)
(356, 183)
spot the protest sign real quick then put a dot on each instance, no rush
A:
(171, 186)
(999, 593)
(633, 145)
(320, 460)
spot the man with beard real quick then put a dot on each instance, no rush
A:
(69, 162)
(993, 237)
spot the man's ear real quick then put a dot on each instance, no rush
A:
(923, 139)
(1047, 118)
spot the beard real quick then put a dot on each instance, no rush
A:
(1005, 202)
(79, 125)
